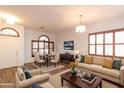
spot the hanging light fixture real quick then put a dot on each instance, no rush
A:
(80, 28)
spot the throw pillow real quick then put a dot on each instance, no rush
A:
(82, 59)
(28, 73)
(89, 59)
(107, 63)
(98, 60)
(117, 64)
(36, 86)
(21, 74)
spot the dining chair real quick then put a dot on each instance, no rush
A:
(38, 60)
(53, 53)
(55, 60)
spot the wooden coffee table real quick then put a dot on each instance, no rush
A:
(77, 82)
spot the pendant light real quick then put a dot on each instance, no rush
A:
(80, 28)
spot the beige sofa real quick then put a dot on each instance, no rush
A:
(41, 79)
(106, 73)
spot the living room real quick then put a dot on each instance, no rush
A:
(45, 43)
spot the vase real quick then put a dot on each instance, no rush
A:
(73, 71)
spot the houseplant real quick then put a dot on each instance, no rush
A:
(73, 66)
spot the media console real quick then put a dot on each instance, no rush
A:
(66, 58)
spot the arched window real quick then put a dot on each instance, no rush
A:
(43, 38)
(7, 31)
(43, 45)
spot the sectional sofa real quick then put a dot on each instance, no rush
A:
(97, 67)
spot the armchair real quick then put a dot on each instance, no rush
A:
(41, 79)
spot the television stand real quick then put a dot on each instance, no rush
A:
(66, 58)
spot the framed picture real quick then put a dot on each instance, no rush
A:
(68, 45)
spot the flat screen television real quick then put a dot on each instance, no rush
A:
(68, 45)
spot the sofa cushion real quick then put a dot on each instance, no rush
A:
(84, 65)
(96, 68)
(98, 60)
(89, 59)
(91, 67)
(117, 64)
(107, 63)
(111, 72)
(82, 58)
(21, 74)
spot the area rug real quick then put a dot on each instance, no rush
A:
(45, 69)
(56, 82)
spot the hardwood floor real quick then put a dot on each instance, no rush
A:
(7, 77)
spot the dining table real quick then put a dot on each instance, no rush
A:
(48, 58)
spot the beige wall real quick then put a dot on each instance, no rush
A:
(12, 48)
(34, 35)
(81, 39)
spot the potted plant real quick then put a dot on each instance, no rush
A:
(73, 66)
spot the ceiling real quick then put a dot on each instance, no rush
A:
(61, 18)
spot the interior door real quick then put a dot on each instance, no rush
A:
(8, 51)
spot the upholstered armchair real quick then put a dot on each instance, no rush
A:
(37, 78)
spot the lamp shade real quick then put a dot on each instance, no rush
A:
(76, 52)
(80, 28)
